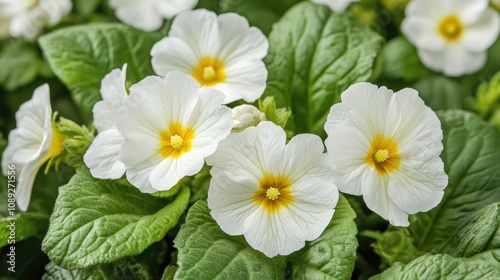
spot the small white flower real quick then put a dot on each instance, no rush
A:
(278, 196)
(32, 143)
(386, 147)
(170, 125)
(222, 52)
(102, 156)
(451, 36)
(27, 18)
(245, 116)
(148, 15)
(336, 5)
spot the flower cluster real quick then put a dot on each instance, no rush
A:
(276, 192)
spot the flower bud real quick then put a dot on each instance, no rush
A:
(245, 116)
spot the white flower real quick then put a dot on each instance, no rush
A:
(222, 52)
(148, 15)
(386, 147)
(32, 143)
(102, 156)
(451, 36)
(27, 18)
(278, 196)
(335, 5)
(170, 125)
(245, 116)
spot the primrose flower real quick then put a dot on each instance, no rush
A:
(34, 142)
(278, 196)
(245, 116)
(386, 146)
(27, 18)
(220, 52)
(149, 15)
(336, 5)
(451, 36)
(102, 156)
(170, 125)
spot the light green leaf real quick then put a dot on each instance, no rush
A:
(169, 272)
(25, 225)
(20, 63)
(471, 157)
(81, 56)
(206, 252)
(440, 267)
(439, 92)
(333, 254)
(100, 221)
(400, 60)
(314, 55)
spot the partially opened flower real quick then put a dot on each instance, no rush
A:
(277, 195)
(221, 52)
(386, 147)
(451, 36)
(27, 18)
(245, 116)
(102, 155)
(34, 142)
(336, 5)
(149, 15)
(170, 125)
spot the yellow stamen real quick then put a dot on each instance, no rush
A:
(209, 71)
(272, 193)
(208, 74)
(381, 155)
(451, 28)
(176, 141)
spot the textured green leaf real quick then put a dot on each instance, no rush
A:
(471, 157)
(100, 221)
(169, 272)
(20, 64)
(314, 55)
(81, 56)
(26, 225)
(479, 232)
(333, 254)
(440, 267)
(206, 252)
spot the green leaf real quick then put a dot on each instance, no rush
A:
(333, 254)
(100, 221)
(479, 232)
(24, 225)
(439, 92)
(440, 267)
(81, 56)
(20, 63)
(206, 252)
(400, 60)
(314, 56)
(86, 7)
(169, 273)
(470, 156)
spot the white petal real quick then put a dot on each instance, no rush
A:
(102, 156)
(336, 5)
(302, 154)
(469, 11)
(454, 61)
(169, 9)
(481, 34)
(273, 234)
(245, 80)
(348, 147)
(25, 184)
(140, 14)
(113, 94)
(230, 200)
(55, 9)
(419, 189)
(431, 9)
(422, 32)
(139, 178)
(173, 54)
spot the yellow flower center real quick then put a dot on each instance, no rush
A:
(209, 71)
(176, 140)
(383, 155)
(57, 145)
(450, 28)
(274, 192)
